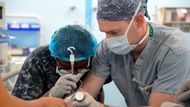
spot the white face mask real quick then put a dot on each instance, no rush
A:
(120, 44)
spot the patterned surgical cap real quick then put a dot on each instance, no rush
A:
(120, 10)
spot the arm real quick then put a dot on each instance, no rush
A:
(42, 102)
(156, 99)
(92, 84)
(100, 71)
(29, 82)
(174, 69)
(7, 100)
(31, 78)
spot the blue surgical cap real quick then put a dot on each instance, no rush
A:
(119, 10)
(73, 35)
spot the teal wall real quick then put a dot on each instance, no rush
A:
(53, 14)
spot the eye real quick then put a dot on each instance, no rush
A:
(114, 33)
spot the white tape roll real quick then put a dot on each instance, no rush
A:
(79, 96)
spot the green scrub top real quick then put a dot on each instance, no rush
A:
(161, 67)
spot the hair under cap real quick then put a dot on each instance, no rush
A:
(120, 10)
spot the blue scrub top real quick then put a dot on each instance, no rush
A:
(161, 67)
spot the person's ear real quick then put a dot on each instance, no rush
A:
(139, 20)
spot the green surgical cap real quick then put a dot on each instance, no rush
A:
(76, 36)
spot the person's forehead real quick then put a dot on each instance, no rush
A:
(106, 26)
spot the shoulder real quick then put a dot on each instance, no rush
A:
(39, 55)
(170, 38)
(41, 52)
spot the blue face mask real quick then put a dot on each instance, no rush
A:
(120, 44)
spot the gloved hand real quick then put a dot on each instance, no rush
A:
(88, 101)
(64, 85)
(183, 94)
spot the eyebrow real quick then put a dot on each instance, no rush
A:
(109, 31)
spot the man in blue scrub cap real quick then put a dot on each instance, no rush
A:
(146, 61)
(49, 67)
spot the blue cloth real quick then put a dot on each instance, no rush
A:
(163, 64)
(120, 10)
(73, 35)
